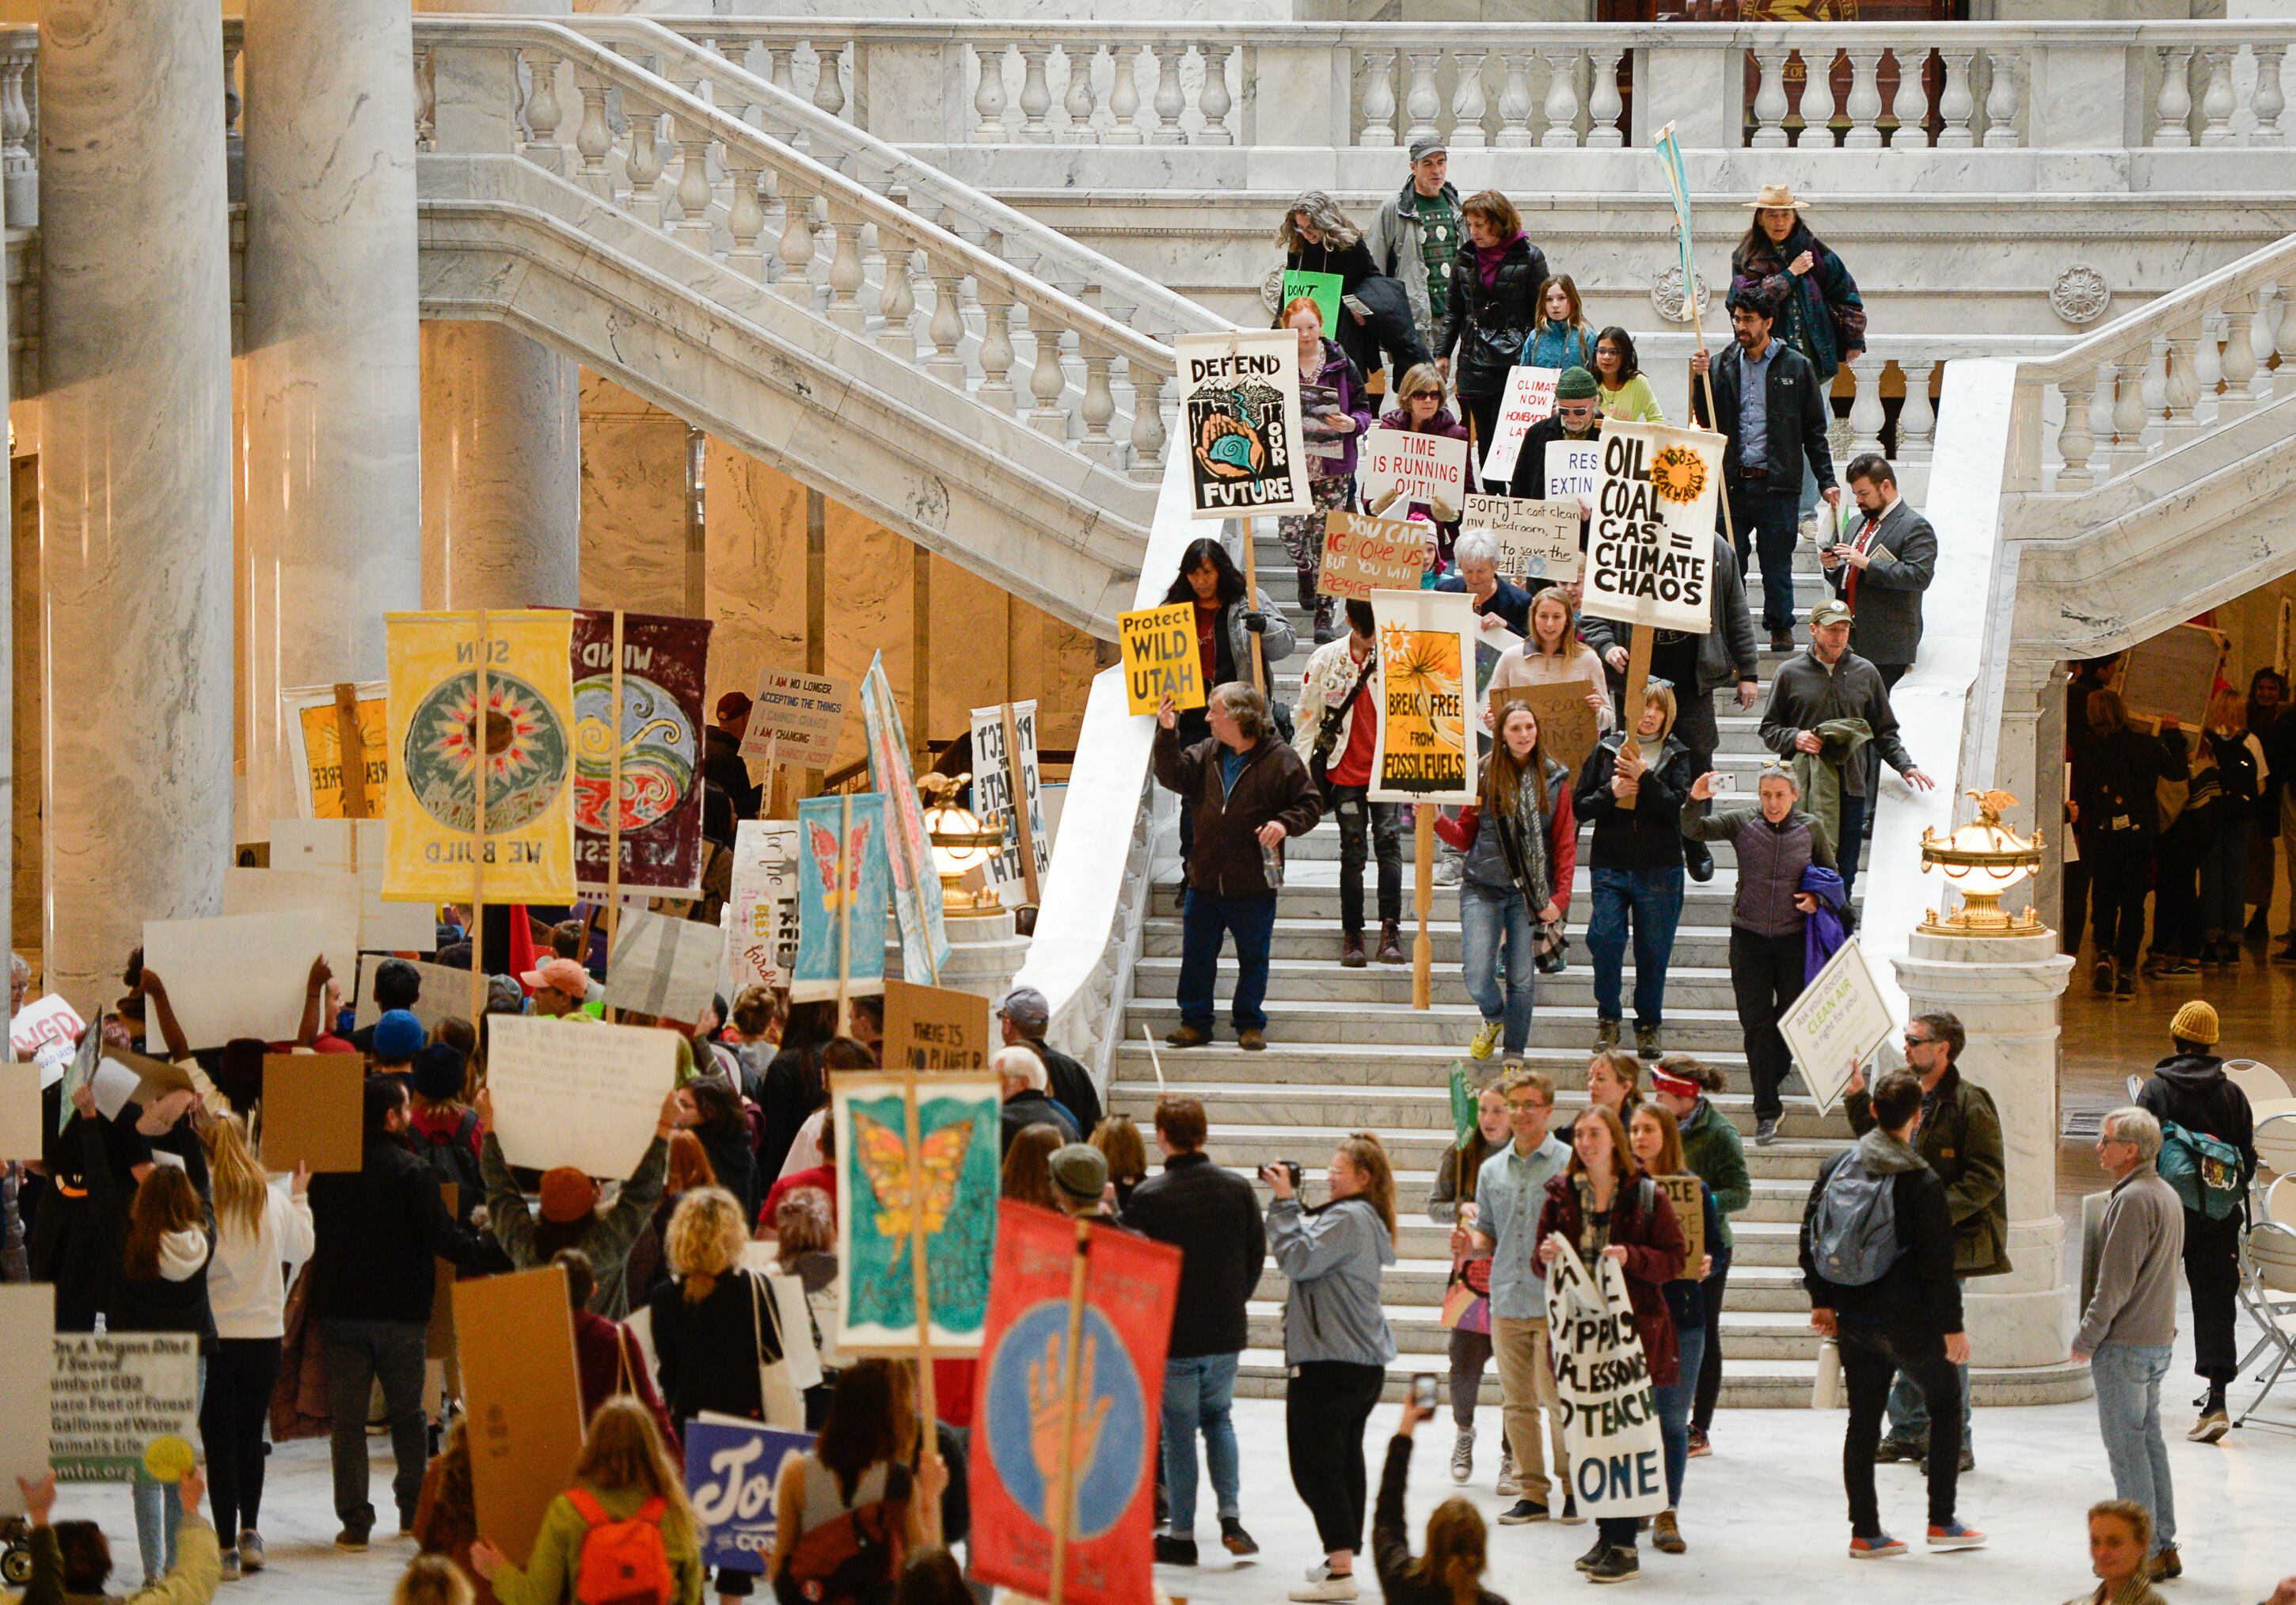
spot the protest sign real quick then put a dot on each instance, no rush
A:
(1567, 726)
(660, 733)
(48, 1019)
(761, 926)
(432, 789)
(1530, 399)
(28, 1330)
(585, 1095)
(1362, 554)
(1839, 1018)
(955, 1159)
(113, 1396)
(445, 993)
(1102, 1346)
(1610, 1413)
(2171, 674)
(1321, 288)
(733, 1473)
(1687, 1195)
(240, 975)
(514, 1337)
(20, 1111)
(1159, 658)
(935, 1028)
(315, 726)
(663, 967)
(1398, 467)
(1240, 405)
(916, 883)
(113, 1085)
(795, 719)
(1650, 550)
(1574, 468)
(1015, 864)
(1537, 540)
(332, 894)
(314, 1111)
(1426, 747)
(844, 884)
(347, 845)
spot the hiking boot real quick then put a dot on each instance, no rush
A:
(1881, 1546)
(1234, 1539)
(1351, 950)
(1463, 1455)
(1606, 1034)
(1172, 1550)
(1666, 1535)
(1391, 943)
(1647, 1042)
(2165, 1564)
(1188, 1037)
(1766, 1131)
(2101, 976)
(1586, 1563)
(1254, 1040)
(1521, 1513)
(2212, 1425)
(1485, 1039)
(1956, 1534)
(1618, 1564)
(1901, 1451)
(1782, 641)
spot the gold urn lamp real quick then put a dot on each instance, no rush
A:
(961, 847)
(1983, 861)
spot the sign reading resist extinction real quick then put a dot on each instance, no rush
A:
(1610, 1413)
(1650, 552)
(1574, 468)
(1240, 404)
(1426, 750)
(1399, 468)
(1365, 554)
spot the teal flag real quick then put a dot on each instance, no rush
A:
(1463, 1102)
(1677, 184)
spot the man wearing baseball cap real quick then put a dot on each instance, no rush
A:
(1025, 1017)
(561, 987)
(1415, 237)
(1813, 699)
(728, 794)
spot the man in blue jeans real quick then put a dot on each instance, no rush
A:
(1210, 1215)
(1247, 790)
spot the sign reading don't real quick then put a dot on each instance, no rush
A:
(1159, 658)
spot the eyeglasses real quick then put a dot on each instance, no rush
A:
(1524, 1106)
(1912, 1041)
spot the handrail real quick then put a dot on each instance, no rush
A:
(2273, 264)
(1175, 314)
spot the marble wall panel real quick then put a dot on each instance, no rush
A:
(633, 503)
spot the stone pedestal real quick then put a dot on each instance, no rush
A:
(2006, 990)
(984, 954)
(135, 515)
(502, 470)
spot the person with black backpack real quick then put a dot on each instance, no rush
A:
(442, 1129)
(1877, 1258)
(2207, 1154)
(573, 1215)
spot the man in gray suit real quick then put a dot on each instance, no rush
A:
(1881, 571)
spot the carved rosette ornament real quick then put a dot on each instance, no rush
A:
(1666, 296)
(1271, 290)
(2080, 295)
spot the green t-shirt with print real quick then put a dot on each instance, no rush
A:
(1438, 248)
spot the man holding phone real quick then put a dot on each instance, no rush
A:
(1882, 570)
(1508, 1192)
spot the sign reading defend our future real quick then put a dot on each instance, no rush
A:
(1240, 404)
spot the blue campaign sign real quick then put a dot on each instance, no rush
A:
(731, 1468)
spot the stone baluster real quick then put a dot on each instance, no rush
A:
(945, 328)
(845, 272)
(2263, 337)
(1047, 378)
(1605, 104)
(2238, 364)
(1955, 104)
(2176, 101)
(1865, 100)
(734, 52)
(1867, 416)
(2129, 409)
(2207, 364)
(645, 165)
(1099, 405)
(1423, 104)
(1170, 101)
(1770, 100)
(1036, 93)
(1821, 106)
(2076, 440)
(1917, 419)
(2287, 332)
(19, 170)
(1216, 102)
(829, 78)
(745, 211)
(795, 248)
(2216, 95)
(1561, 108)
(1378, 98)
(1123, 96)
(781, 66)
(995, 345)
(1515, 103)
(426, 101)
(593, 139)
(693, 189)
(1910, 105)
(1076, 104)
(2181, 387)
(1467, 98)
(988, 93)
(541, 112)
(1147, 415)
(2271, 98)
(2001, 102)
(897, 302)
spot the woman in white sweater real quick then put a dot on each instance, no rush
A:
(1551, 655)
(260, 1227)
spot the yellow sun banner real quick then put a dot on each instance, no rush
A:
(1650, 548)
(529, 745)
(1426, 748)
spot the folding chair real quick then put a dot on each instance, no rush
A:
(2268, 1291)
(2260, 1081)
(2275, 1140)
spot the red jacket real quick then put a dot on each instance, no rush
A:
(603, 1351)
(1655, 1252)
(1561, 842)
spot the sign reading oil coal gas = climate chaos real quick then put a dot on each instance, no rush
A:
(1650, 552)
(1239, 403)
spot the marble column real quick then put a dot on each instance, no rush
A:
(136, 481)
(502, 470)
(2004, 990)
(333, 445)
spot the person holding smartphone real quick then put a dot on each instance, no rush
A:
(1455, 1534)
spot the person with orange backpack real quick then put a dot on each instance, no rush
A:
(623, 1535)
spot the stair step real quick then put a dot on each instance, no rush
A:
(1688, 987)
(1248, 1146)
(1316, 942)
(1706, 1032)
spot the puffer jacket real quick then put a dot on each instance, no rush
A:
(1485, 328)
(1226, 860)
(1642, 1224)
(1960, 1138)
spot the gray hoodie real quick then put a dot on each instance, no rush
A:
(1333, 1259)
(2143, 1244)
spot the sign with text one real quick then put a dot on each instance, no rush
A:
(1650, 550)
(1362, 554)
(956, 1158)
(1412, 467)
(1839, 1018)
(732, 1475)
(1537, 540)
(798, 716)
(1159, 658)
(1426, 745)
(1240, 405)
(1528, 400)
(661, 733)
(585, 1095)
(1610, 1410)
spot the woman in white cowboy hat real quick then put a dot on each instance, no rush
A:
(1819, 313)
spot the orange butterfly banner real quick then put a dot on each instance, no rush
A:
(844, 883)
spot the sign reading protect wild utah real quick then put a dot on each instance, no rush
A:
(1651, 547)
(1239, 403)
(1426, 747)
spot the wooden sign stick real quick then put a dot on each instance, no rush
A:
(479, 835)
(614, 805)
(1062, 1502)
(773, 756)
(1422, 902)
(1018, 789)
(928, 1405)
(845, 893)
(1251, 602)
(1639, 656)
(350, 754)
(1713, 418)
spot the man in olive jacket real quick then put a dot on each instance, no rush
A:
(1960, 1139)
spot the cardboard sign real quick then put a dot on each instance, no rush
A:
(528, 742)
(1362, 554)
(49, 1019)
(732, 1478)
(661, 729)
(842, 890)
(242, 975)
(361, 846)
(314, 1111)
(585, 1095)
(797, 719)
(515, 1335)
(1321, 288)
(332, 894)
(1609, 1418)
(1426, 748)
(20, 1112)
(917, 905)
(112, 1395)
(1161, 657)
(1130, 1287)
(1530, 399)
(663, 968)
(935, 1028)
(760, 913)
(1567, 726)
(1239, 409)
(1412, 467)
(1650, 550)
(1574, 468)
(445, 994)
(1537, 540)
(2172, 674)
(1839, 1018)
(958, 1148)
(1687, 1195)
(993, 790)
(315, 730)
(27, 1329)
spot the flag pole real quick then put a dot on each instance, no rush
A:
(928, 1405)
(479, 832)
(1062, 1505)
(614, 808)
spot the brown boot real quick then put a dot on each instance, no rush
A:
(1351, 950)
(1390, 942)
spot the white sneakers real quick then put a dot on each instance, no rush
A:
(1322, 1583)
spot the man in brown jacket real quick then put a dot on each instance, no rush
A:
(1247, 790)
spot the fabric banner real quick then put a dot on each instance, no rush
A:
(1130, 1287)
(1574, 468)
(1426, 750)
(665, 669)
(1609, 1420)
(957, 1153)
(830, 903)
(315, 747)
(530, 755)
(1362, 554)
(1528, 400)
(1840, 1018)
(916, 883)
(993, 790)
(1400, 467)
(761, 919)
(1537, 540)
(733, 1472)
(1321, 288)
(1649, 552)
(1240, 404)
